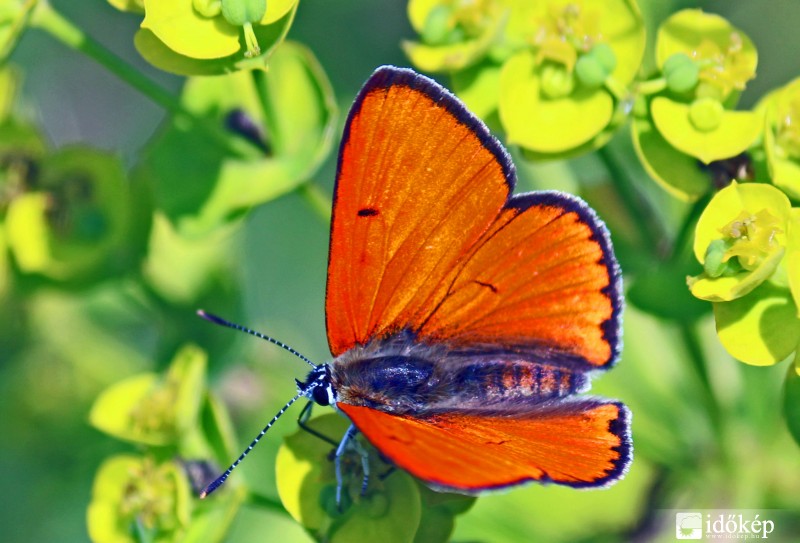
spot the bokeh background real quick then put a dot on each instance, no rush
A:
(61, 348)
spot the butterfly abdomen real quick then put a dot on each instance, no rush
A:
(492, 382)
(419, 384)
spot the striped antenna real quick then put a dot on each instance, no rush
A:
(216, 483)
(222, 322)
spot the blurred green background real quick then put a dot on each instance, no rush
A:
(60, 348)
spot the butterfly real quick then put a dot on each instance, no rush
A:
(464, 321)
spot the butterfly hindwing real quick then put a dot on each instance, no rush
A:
(581, 443)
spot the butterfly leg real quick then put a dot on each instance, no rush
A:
(347, 440)
(302, 421)
(364, 465)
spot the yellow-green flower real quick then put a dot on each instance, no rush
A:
(133, 494)
(747, 241)
(209, 37)
(555, 71)
(740, 240)
(698, 122)
(725, 56)
(454, 34)
(152, 410)
(782, 137)
(573, 60)
(686, 115)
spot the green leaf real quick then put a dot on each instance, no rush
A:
(761, 328)
(657, 291)
(212, 519)
(419, 12)
(791, 400)
(133, 6)
(277, 9)
(391, 516)
(793, 256)
(299, 120)
(5, 278)
(676, 172)
(479, 88)
(390, 511)
(217, 428)
(784, 172)
(439, 510)
(187, 376)
(303, 471)
(732, 134)
(9, 87)
(182, 268)
(548, 125)
(84, 223)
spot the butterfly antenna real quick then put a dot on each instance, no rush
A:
(222, 322)
(216, 483)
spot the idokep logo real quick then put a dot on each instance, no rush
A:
(689, 525)
(738, 526)
(716, 524)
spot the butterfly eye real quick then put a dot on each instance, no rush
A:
(320, 395)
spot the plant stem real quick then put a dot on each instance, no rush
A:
(259, 500)
(317, 200)
(689, 221)
(638, 207)
(698, 363)
(262, 93)
(652, 86)
(46, 18)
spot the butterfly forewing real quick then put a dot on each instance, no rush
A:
(542, 280)
(416, 187)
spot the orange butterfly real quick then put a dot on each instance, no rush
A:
(463, 321)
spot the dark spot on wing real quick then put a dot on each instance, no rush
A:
(367, 212)
(488, 285)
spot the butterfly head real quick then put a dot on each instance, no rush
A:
(318, 386)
